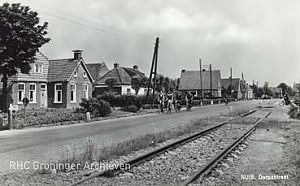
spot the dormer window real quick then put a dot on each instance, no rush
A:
(38, 68)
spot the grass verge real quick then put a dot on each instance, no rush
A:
(91, 153)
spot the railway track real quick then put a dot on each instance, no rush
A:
(183, 143)
(204, 170)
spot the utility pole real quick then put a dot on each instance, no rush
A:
(201, 86)
(153, 65)
(230, 82)
(155, 71)
(243, 87)
(210, 73)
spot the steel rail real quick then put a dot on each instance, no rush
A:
(205, 169)
(149, 155)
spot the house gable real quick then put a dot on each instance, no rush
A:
(235, 82)
(190, 80)
(81, 65)
(38, 72)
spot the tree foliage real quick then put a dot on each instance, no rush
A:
(21, 36)
(110, 83)
(266, 89)
(165, 84)
(137, 82)
(286, 89)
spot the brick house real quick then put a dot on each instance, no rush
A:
(68, 82)
(52, 83)
(32, 86)
(122, 81)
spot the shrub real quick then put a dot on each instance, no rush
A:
(294, 113)
(126, 100)
(131, 108)
(95, 106)
(42, 118)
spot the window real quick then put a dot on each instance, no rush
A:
(38, 68)
(43, 87)
(21, 92)
(85, 91)
(32, 93)
(128, 91)
(58, 93)
(84, 74)
(73, 93)
(75, 73)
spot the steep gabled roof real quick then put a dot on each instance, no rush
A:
(62, 69)
(97, 69)
(190, 80)
(235, 83)
(122, 75)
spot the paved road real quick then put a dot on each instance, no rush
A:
(51, 143)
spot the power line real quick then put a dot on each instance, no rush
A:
(104, 28)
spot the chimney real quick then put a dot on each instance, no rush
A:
(135, 67)
(183, 71)
(77, 54)
(116, 65)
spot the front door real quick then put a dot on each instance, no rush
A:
(43, 95)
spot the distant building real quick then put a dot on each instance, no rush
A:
(276, 92)
(250, 94)
(190, 82)
(97, 70)
(121, 81)
(296, 87)
(232, 87)
(237, 88)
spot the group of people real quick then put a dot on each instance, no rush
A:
(169, 101)
(173, 101)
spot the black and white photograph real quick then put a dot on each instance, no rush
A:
(160, 92)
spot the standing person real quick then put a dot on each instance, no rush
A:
(161, 102)
(178, 102)
(170, 101)
(175, 102)
(188, 100)
(226, 100)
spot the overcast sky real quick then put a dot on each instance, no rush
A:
(260, 38)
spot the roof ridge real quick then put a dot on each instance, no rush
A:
(64, 59)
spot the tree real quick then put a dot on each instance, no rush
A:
(254, 88)
(286, 89)
(21, 37)
(110, 84)
(260, 92)
(137, 82)
(266, 89)
(166, 84)
(177, 83)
